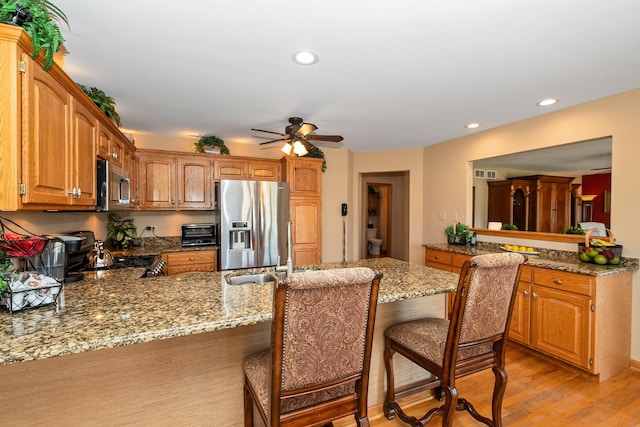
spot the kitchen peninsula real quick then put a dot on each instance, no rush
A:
(168, 350)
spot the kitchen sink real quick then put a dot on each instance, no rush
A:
(253, 279)
(260, 278)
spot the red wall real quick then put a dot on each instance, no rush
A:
(596, 184)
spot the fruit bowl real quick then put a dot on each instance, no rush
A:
(603, 255)
(600, 251)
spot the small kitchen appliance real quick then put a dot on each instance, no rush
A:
(199, 234)
(100, 257)
(113, 187)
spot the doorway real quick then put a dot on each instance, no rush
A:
(378, 232)
(385, 203)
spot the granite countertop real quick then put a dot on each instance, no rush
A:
(547, 258)
(113, 308)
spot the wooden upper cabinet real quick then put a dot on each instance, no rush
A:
(157, 181)
(230, 169)
(194, 183)
(110, 147)
(264, 170)
(172, 180)
(46, 165)
(304, 175)
(84, 128)
(245, 168)
(50, 132)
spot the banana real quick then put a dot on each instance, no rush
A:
(600, 242)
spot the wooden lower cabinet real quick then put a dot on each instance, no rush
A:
(521, 317)
(580, 319)
(447, 261)
(190, 261)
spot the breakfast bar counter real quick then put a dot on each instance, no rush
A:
(169, 349)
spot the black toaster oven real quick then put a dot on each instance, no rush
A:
(199, 234)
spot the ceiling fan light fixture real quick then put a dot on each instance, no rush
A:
(547, 102)
(299, 149)
(286, 149)
(304, 57)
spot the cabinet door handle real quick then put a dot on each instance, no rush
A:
(558, 282)
(535, 296)
(73, 192)
(526, 293)
(179, 202)
(192, 259)
(437, 257)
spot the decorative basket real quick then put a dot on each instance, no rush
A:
(600, 250)
(29, 289)
(19, 243)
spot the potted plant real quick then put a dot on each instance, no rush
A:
(509, 227)
(121, 232)
(573, 230)
(460, 235)
(317, 153)
(211, 144)
(103, 101)
(40, 19)
(6, 268)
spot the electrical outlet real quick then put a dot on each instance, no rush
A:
(454, 216)
(443, 216)
(150, 227)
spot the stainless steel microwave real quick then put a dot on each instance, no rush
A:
(113, 187)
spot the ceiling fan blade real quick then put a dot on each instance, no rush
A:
(273, 141)
(333, 138)
(268, 131)
(329, 144)
(306, 128)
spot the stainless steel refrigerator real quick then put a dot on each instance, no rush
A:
(253, 223)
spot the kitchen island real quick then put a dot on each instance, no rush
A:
(168, 350)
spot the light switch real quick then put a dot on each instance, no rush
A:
(443, 216)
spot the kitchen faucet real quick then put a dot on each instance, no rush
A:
(289, 265)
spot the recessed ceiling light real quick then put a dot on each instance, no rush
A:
(547, 102)
(305, 57)
(472, 125)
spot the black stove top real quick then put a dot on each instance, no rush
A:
(135, 261)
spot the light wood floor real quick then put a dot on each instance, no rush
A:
(544, 393)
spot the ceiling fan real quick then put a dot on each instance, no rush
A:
(297, 136)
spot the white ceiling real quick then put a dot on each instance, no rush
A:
(401, 74)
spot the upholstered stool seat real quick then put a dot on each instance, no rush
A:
(317, 369)
(473, 339)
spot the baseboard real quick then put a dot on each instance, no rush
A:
(635, 364)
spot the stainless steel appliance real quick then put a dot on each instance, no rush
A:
(100, 257)
(253, 223)
(199, 234)
(113, 186)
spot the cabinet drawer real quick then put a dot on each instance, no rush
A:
(459, 259)
(561, 280)
(439, 257)
(525, 274)
(190, 257)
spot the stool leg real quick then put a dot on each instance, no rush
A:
(389, 401)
